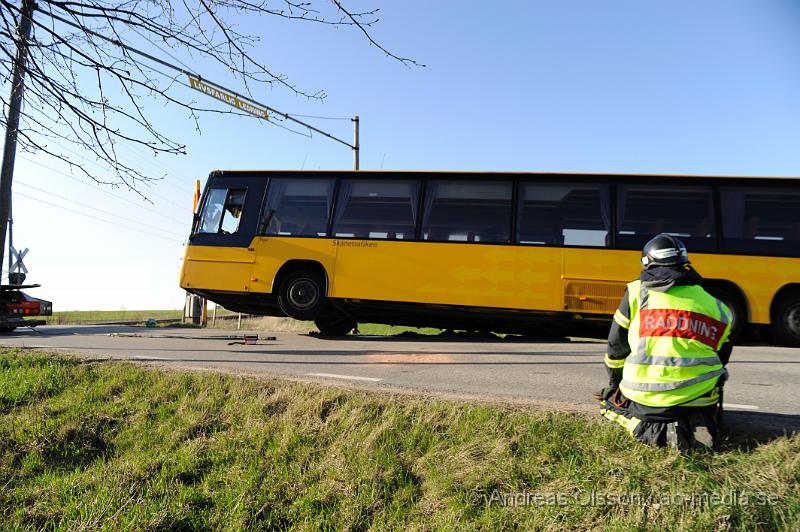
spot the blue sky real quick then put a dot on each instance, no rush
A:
(664, 87)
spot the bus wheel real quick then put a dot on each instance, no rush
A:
(334, 324)
(735, 305)
(786, 320)
(6, 330)
(301, 294)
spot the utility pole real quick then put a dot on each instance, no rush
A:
(12, 121)
(355, 143)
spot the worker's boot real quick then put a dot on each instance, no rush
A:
(678, 437)
(688, 434)
(703, 431)
(703, 440)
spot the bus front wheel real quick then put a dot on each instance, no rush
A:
(786, 320)
(301, 295)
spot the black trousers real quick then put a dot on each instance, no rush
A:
(649, 424)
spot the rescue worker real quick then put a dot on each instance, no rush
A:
(666, 355)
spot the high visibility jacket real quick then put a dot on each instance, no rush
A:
(674, 337)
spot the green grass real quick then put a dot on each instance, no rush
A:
(72, 317)
(377, 329)
(84, 316)
(100, 444)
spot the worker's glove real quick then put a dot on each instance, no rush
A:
(604, 393)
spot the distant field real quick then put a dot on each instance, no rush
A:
(87, 316)
(88, 445)
(255, 323)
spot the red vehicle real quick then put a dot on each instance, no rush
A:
(16, 306)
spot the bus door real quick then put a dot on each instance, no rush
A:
(220, 255)
(294, 229)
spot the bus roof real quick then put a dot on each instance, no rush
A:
(475, 173)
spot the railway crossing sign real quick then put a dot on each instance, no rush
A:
(16, 257)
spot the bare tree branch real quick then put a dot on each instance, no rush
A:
(88, 93)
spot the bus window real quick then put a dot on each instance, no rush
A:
(556, 214)
(299, 207)
(467, 211)
(760, 220)
(233, 212)
(212, 211)
(222, 211)
(376, 209)
(683, 211)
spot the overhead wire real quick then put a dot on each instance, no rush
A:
(184, 65)
(188, 68)
(189, 73)
(96, 218)
(321, 117)
(107, 213)
(64, 174)
(277, 116)
(97, 165)
(154, 162)
(272, 122)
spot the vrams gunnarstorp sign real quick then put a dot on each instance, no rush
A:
(227, 97)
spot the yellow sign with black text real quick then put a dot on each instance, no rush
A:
(225, 96)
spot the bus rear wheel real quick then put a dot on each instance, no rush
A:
(334, 324)
(301, 294)
(786, 320)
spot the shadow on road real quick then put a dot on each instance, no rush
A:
(745, 430)
(455, 337)
(71, 330)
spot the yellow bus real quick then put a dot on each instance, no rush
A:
(488, 251)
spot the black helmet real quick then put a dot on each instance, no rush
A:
(664, 250)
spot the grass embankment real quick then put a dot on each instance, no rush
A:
(85, 444)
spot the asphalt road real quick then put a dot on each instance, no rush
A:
(763, 379)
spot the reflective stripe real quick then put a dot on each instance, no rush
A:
(669, 386)
(644, 296)
(723, 314)
(709, 399)
(628, 424)
(614, 363)
(621, 320)
(674, 361)
(641, 349)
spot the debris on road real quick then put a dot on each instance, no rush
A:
(250, 339)
(246, 339)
